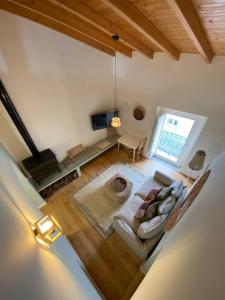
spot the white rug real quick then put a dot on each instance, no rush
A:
(97, 206)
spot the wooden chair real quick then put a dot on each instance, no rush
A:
(141, 147)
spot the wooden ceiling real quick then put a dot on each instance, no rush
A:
(147, 26)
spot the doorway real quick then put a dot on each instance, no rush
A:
(175, 135)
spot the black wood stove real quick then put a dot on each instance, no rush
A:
(41, 164)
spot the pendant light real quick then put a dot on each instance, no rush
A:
(116, 120)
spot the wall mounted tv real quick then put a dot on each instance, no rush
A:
(103, 120)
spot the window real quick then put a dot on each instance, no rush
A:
(175, 134)
(173, 138)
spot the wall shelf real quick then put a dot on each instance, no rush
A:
(67, 165)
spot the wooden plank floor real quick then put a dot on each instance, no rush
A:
(110, 263)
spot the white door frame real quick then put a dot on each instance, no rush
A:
(199, 122)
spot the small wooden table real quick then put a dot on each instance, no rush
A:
(130, 141)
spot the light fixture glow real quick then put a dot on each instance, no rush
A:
(47, 229)
(116, 122)
(45, 224)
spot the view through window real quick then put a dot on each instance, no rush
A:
(174, 134)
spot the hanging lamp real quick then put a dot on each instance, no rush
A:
(115, 120)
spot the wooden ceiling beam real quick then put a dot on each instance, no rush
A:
(54, 13)
(40, 19)
(186, 13)
(81, 10)
(133, 16)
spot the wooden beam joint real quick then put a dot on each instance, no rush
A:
(134, 17)
(188, 17)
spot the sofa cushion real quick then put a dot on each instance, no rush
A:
(148, 185)
(181, 198)
(177, 188)
(176, 184)
(164, 193)
(151, 211)
(153, 193)
(151, 228)
(128, 211)
(166, 205)
(142, 209)
(141, 248)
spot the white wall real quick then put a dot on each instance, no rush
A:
(30, 272)
(27, 270)
(188, 85)
(190, 265)
(55, 82)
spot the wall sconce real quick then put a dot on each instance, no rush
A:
(46, 229)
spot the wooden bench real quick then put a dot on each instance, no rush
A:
(73, 164)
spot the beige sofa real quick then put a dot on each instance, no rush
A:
(126, 224)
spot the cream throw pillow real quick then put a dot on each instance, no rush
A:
(151, 212)
(166, 205)
(151, 228)
(177, 188)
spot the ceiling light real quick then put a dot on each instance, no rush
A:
(116, 120)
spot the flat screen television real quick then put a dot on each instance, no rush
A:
(103, 120)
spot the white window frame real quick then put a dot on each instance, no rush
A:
(199, 122)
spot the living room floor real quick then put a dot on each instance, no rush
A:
(110, 263)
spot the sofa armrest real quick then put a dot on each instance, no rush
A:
(127, 234)
(163, 179)
(141, 249)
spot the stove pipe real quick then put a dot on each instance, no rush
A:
(9, 106)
